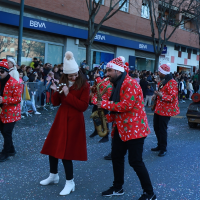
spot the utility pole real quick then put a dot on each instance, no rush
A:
(19, 54)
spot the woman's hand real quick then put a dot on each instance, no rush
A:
(53, 86)
(65, 89)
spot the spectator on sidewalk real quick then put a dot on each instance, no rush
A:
(23, 68)
(195, 86)
(149, 95)
(190, 88)
(143, 84)
(10, 98)
(33, 63)
(13, 69)
(182, 90)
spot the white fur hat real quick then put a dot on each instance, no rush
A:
(12, 61)
(69, 64)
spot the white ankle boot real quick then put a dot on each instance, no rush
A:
(53, 178)
(69, 187)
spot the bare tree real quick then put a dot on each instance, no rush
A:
(93, 7)
(165, 17)
(4, 43)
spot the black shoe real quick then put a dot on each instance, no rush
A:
(108, 157)
(146, 196)
(93, 134)
(104, 139)
(3, 157)
(11, 153)
(155, 149)
(162, 153)
(113, 192)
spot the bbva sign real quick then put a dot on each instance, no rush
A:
(37, 24)
(100, 37)
(142, 46)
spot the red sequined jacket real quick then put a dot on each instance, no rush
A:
(11, 110)
(168, 105)
(130, 118)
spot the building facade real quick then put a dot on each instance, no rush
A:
(50, 29)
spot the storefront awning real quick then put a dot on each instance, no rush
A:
(186, 66)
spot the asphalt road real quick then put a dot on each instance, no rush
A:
(175, 176)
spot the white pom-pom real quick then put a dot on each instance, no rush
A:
(122, 58)
(69, 55)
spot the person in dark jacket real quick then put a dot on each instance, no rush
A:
(143, 84)
(149, 95)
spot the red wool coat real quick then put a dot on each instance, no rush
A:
(67, 137)
(168, 105)
(131, 119)
(11, 110)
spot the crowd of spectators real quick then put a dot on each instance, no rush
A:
(39, 72)
(187, 83)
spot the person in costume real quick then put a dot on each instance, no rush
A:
(129, 130)
(10, 98)
(104, 85)
(67, 137)
(166, 106)
(13, 69)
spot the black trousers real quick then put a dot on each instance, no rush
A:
(6, 131)
(68, 166)
(135, 149)
(160, 127)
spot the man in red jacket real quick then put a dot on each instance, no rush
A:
(166, 106)
(10, 98)
(130, 128)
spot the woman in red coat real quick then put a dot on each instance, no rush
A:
(67, 138)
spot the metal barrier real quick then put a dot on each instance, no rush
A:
(38, 97)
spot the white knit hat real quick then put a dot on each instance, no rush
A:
(69, 64)
(12, 61)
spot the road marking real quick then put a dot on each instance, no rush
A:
(179, 117)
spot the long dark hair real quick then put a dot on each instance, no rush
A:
(80, 80)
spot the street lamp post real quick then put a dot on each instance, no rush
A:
(19, 54)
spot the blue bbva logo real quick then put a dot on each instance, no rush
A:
(100, 37)
(37, 24)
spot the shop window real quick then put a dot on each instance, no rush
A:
(30, 49)
(99, 57)
(55, 54)
(145, 9)
(179, 54)
(81, 56)
(144, 64)
(125, 7)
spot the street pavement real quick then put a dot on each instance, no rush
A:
(175, 176)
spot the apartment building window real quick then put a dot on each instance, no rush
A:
(189, 51)
(5, 40)
(5, 49)
(145, 9)
(125, 7)
(99, 0)
(12, 50)
(194, 51)
(179, 54)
